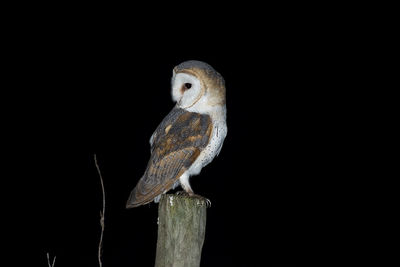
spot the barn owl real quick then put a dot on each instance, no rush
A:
(189, 137)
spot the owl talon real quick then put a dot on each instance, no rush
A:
(206, 200)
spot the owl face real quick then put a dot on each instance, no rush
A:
(197, 86)
(186, 89)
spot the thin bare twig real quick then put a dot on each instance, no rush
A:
(102, 212)
(48, 260)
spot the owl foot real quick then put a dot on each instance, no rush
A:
(206, 200)
(193, 195)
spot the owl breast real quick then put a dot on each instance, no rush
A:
(214, 146)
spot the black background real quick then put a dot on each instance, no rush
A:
(85, 92)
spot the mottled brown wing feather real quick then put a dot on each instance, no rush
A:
(177, 143)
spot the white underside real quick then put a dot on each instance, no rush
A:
(218, 134)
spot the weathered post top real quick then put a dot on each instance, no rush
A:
(181, 231)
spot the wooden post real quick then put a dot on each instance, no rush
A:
(181, 231)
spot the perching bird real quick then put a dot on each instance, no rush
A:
(189, 137)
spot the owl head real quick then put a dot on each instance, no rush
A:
(196, 86)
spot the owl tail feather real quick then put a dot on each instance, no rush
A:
(140, 197)
(133, 200)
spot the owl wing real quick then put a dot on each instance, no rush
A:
(176, 144)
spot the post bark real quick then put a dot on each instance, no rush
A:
(181, 231)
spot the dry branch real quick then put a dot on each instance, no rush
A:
(102, 212)
(48, 260)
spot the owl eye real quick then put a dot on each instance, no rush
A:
(188, 85)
